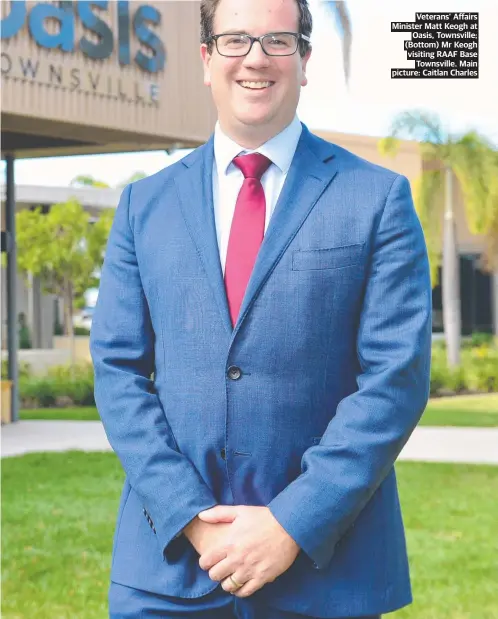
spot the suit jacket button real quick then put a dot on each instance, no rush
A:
(223, 454)
(234, 373)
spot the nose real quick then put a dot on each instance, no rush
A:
(256, 58)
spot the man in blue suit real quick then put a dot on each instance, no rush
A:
(261, 346)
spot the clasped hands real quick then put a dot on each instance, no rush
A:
(243, 541)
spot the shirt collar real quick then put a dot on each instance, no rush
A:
(279, 149)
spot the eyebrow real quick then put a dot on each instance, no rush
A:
(234, 31)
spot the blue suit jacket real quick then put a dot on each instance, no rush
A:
(333, 345)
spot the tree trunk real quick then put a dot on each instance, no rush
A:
(68, 319)
(451, 278)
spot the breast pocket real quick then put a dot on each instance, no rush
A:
(327, 258)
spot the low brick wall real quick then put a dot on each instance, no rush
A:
(41, 359)
(82, 346)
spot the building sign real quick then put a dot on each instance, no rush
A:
(99, 46)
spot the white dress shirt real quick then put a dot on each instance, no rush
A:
(228, 179)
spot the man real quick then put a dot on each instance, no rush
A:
(277, 288)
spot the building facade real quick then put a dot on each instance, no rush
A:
(80, 79)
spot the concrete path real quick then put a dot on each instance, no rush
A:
(30, 436)
(444, 444)
(472, 445)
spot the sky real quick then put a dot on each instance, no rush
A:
(367, 106)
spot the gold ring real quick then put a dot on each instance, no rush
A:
(237, 584)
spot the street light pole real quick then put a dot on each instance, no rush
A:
(12, 334)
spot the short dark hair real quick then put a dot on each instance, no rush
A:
(208, 11)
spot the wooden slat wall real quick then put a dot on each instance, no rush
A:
(185, 110)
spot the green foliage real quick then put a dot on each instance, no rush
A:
(24, 369)
(478, 372)
(81, 331)
(24, 337)
(474, 162)
(62, 386)
(52, 246)
(478, 339)
(37, 392)
(96, 237)
(85, 180)
(63, 248)
(136, 176)
(79, 302)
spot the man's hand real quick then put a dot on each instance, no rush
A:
(203, 535)
(255, 550)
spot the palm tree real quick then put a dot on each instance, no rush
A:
(339, 11)
(136, 176)
(85, 180)
(470, 160)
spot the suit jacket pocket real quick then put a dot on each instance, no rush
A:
(327, 258)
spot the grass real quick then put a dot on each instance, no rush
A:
(467, 411)
(58, 520)
(450, 517)
(78, 413)
(58, 513)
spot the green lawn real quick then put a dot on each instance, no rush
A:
(475, 410)
(58, 515)
(80, 413)
(465, 410)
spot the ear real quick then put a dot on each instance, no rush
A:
(304, 62)
(206, 62)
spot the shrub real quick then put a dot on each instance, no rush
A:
(24, 369)
(478, 371)
(81, 331)
(37, 392)
(439, 374)
(482, 368)
(62, 385)
(456, 379)
(478, 339)
(24, 337)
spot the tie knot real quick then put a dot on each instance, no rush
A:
(252, 166)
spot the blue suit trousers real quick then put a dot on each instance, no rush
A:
(129, 603)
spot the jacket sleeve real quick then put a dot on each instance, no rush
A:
(122, 350)
(371, 426)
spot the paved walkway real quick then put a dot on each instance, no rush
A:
(30, 436)
(472, 445)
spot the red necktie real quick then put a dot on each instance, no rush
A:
(247, 231)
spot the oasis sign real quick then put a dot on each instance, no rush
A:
(67, 12)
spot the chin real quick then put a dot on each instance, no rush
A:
(256, 119)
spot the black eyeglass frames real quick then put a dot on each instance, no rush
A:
(273, 43)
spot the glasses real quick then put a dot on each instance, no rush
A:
(273, 43)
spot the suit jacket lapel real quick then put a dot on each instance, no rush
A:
(195, 191)
(313, 168)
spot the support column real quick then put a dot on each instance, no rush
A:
(12, 333)
(494, 301)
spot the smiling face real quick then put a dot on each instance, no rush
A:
(256, 95)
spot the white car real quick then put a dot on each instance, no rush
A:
(84, 318)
